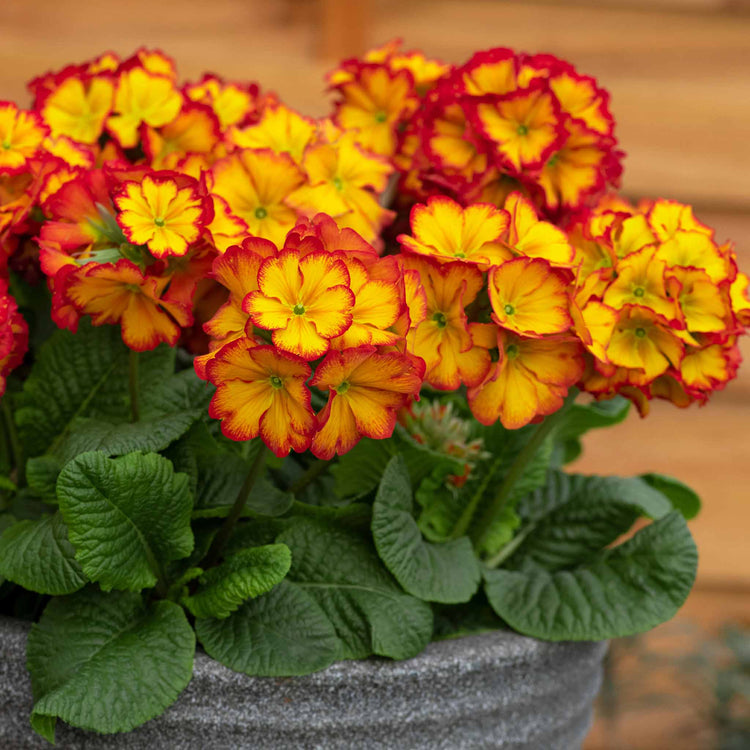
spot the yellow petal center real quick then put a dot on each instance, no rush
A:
(509, 310)
(522, 130)
(159, 221)
(640, 332)
(276, 382)
(511, 351)
(342, 387)
(260, 213)
(381, 116)
(639, 291)
(440, 319)
(298, 309)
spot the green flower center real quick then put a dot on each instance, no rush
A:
(277, 382)
(342, 388)
(381, 116)
(522, 130)
(511, 351)
(298, 309)
(459, 254)
(640, 332)
(552, 161)
(639, 291)
(6, 145)
(509, 310)
(440, 319)
(338, 183)
(260, 213)
(159, 221)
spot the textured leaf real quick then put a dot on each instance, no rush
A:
(619, 592)
(83, 374)
(106, 663)
(680, 495)
(574, 516)
(246, 574)
(38, 556)
(369, 612)
(126, 517)
(281, 634)
(359, 471)
(447, 572)
(41, 475)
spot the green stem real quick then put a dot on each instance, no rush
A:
(313, 471)
(510, 547)
(133, 385)
(496, 507)
(217, 546)
(16, 450)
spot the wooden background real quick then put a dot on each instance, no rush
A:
(679, 74)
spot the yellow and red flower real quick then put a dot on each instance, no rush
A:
(366, 389)
(21, 135)
(261, 391)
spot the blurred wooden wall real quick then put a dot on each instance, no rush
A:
(679, 74)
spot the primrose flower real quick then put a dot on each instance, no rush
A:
(14, 335)
(530, 297)
(261, 391)
(366, 389)
(280, 129)
(21, 134)
(121, 293)
(305, 301)
(444, 230)
(162, 212)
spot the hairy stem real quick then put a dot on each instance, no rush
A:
(217, 546)
(543, 430)
(16, 451)
(133, 385)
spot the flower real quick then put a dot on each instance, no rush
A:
(304, 300)
(162, 212)
(366, 388)
(260, 391)
(21, 134)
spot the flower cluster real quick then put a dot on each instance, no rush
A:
(638, 302)
(499, 123)
(321, 312)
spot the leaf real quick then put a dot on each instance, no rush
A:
(83, 374)
(41, 475)
(574, 516)
(38, 556)
(8, 484)
(680, 495)
(359, 471)
(126, 517)
(368, 610)
(246, 574)
(619, 592)
(580, 418)
(447, 573)
(284, 633)
(107, 663)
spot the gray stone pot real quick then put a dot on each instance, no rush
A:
(497, 690)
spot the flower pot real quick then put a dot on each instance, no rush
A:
(495, 690)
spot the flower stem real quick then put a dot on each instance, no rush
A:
(543, 430)
(313, 471)
(133, 385)
(217, 546)
(16, 451)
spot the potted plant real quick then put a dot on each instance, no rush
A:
(302, 392)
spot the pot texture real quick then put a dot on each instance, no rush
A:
(499, 690)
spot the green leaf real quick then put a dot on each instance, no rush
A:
(83, 374)
(126, 517)
(359, 471)
(284, 633)
(7, 484)
(246, 574)
(619, 592)
(580, 418)
(574, 516)
(107, 663)
(41, 475)
(680, 495)
(369, 612)
(447, 573)
(38, 556)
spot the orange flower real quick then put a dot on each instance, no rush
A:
(121, 293)
(366, 389)
(530, 380)
(256, 185)
(21, 135)
(444, 338)
(261, 391)
(524, 126)
(164, 212)
(305, 301)
(444, 230)
(530, 297)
